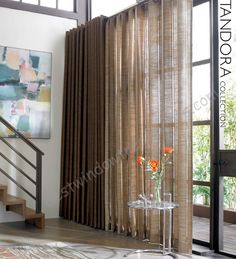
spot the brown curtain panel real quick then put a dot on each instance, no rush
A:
(148, 107)
(82, 196)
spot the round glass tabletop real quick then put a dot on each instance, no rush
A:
(152, 204)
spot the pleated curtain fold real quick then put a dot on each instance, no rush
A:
(148, 107)
(83, 129)
(127, 92)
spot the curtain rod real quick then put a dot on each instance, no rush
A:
(139, 2)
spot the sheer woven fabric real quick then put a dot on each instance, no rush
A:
(148, 107)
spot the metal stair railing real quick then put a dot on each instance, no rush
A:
(37, 167)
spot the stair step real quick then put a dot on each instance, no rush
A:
(31, 214)
(3, 192)
(3, 187)
(36, 219)
(13, 200)
(18, 206)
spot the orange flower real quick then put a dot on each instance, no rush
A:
(153, 164)
(168, 150)
(140, 160)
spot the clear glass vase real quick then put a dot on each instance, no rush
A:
(157, 194)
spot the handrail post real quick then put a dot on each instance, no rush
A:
(38, 182)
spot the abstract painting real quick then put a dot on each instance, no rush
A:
(25, 91)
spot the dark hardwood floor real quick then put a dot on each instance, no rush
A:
(59, 230)
(65, 231)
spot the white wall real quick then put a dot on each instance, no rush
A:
(43, 33)
(9, 216)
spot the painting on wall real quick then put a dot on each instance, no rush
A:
(25, 91)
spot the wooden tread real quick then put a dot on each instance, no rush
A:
(33, 218)
(3, 187)
(3, 193)
(31, 214)
(13, 200)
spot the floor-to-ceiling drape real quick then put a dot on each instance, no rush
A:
(148, 107)
(83, 128)
(127, 92)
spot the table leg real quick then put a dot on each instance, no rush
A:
(164, 232)
(170, 230)
(165, 250)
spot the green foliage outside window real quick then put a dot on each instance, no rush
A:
(201, 156)
(230, 143)
(201, 163)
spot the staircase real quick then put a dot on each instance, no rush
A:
(16, 204)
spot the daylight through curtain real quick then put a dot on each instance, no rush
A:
(148, 107)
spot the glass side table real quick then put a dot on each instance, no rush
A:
(162, 207)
